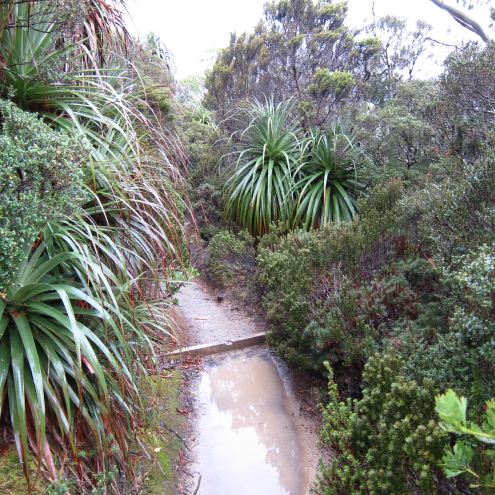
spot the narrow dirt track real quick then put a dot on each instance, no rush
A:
(249, 434)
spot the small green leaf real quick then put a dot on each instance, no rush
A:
(457, 460)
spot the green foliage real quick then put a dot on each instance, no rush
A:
(457, 214)
(207, 175)
(301, 276)
(387, 442)
(61, 350)
(40, 181)
(399, 135)
(327, 187)
(470, 328)
(473, 454)
(467, 107)
(339, 83)
(300, 49)
(260, 190)
(230, 257)
(103, 239)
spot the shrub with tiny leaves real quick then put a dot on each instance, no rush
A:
(388, 442)
(40, 180)
(230, 256)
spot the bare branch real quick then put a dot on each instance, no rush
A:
(463, 19)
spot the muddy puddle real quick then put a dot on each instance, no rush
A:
(249, 436)
(247, 441)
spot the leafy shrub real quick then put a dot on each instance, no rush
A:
(230, 257)
(207, 176)
(300, 269)
(385, 443)
(474, 454)
(40, 180)
(352, 321)
(455, 214)
(471, 327)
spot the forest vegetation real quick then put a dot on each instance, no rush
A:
(349, 199)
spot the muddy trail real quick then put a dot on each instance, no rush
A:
(250, 433)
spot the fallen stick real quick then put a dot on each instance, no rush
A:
(179, 437)
(197, 486)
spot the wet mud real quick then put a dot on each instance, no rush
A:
(248, 436)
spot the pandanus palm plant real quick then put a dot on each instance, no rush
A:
(62, 376)
(79, 314)
(326, 184)
(260, 190)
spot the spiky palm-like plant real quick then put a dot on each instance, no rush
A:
(65, 360)
(327, 183)
(260, 191)
(80, 315)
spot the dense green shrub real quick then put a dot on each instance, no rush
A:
(461, 355)
(386, 443)
(297, 271)
(350, 321)
(40, 180)
(231, 257)
(207, 176)
(454, 214)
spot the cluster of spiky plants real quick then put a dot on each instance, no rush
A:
(327, 182)
(284, 174)
(260, 190)
(78, 322)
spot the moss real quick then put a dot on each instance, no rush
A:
(12, 480)
(163, 398)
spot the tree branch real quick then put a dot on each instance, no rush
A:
(463, 19)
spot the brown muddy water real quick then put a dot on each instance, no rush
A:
(249, 438)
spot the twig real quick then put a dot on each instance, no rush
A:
(197, 486)
(179, 437)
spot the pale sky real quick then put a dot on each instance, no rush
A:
(195, 29)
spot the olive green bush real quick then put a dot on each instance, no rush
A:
(461, 354)
(454, 214)
(230, 257)
(298, 270)
(413, 275)
(207, 176)
(387, 442)
(40, 181)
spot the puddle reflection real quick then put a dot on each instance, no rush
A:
(247, 440)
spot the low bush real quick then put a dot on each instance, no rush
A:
(456, 213)
(386, 443)
(231, 257)
(461, 354)
(302, 274)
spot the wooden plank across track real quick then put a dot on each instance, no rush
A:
(215, 348)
